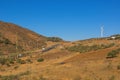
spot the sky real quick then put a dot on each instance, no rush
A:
(69, 19)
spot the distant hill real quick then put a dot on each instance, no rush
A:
(15, 38)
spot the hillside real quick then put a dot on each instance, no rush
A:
(14, 38)
(91, 59)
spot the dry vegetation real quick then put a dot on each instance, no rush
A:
(62, 64)
(93, 59)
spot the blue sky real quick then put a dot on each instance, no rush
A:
(68, 19)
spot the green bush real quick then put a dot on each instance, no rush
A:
(40, 60)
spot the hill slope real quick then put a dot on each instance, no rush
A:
(80, 60)
(14, 37)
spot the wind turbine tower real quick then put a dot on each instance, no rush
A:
(102, 31)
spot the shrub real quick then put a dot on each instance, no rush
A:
(20, 61)
(113, 53)
(3, 61)
(40, 60)
(7, 41)
(54, 39)
(16, 67)
(118, 67)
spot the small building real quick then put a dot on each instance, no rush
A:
(113, 37)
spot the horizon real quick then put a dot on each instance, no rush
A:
(70, 20)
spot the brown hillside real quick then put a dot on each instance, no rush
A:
(62, 64)
(21, 38)
(92, 59)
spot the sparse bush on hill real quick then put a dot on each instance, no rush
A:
(40, 60)
(7, 41)
(16, 67)
(113, 53)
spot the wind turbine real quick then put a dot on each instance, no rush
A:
(102, 31)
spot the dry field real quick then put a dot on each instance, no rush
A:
(61, 64)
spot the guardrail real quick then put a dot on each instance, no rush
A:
(49, 48)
